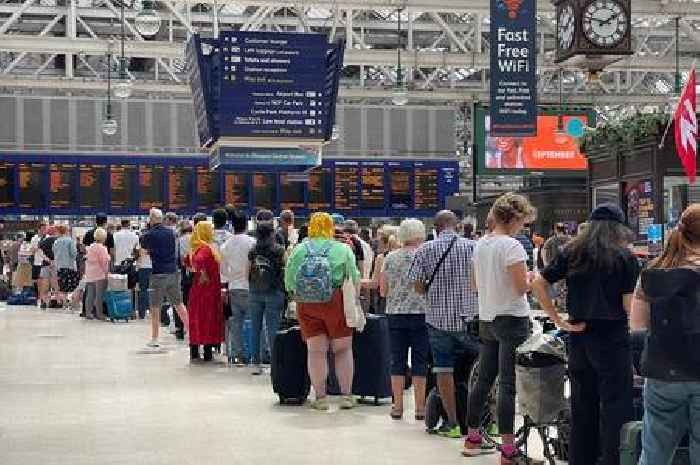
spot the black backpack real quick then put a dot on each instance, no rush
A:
(46, 246)
(264, 271)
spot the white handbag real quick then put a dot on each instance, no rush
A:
(354, 316)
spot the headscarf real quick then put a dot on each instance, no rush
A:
(203, 236)
(321, 226)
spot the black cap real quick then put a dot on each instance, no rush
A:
(608, 212)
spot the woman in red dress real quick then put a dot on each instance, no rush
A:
(205, 308)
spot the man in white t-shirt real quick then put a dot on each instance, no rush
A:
(125, 241)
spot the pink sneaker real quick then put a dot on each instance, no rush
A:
(474, 446)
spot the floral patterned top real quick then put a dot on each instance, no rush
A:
(402, 297)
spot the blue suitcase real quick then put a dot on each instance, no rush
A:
(119, 305)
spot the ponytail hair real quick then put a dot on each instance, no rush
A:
(684, 240)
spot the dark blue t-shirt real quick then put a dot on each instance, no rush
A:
(159, 241)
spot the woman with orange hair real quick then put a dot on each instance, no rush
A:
(323, 323)
(206, 314)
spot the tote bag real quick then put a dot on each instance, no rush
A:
(354, 316)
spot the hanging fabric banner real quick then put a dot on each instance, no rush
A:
(513, 68)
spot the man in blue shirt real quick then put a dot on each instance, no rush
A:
(160, 242)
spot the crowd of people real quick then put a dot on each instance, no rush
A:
(446, 292)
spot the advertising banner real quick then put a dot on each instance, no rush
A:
(513, 68)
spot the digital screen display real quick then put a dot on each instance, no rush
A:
(320, 189)
(373, 186)
(31, 185)
(264, 190)
(180, 181)
(7, 185)
(400, 188)
(151, 186)
(347, 187)
(91, 181)
(61, 185)
(236, 189)
(123, 186)
(208, 189)
(292, 194)
(426, 188)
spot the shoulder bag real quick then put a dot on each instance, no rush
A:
(422, 288)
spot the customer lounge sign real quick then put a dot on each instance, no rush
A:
(513, 68)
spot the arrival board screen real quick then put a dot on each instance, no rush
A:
(264, 188)
(236, 189)
(400, 188)
(61, 185)
(151, 186)
(179, 187)
(7, 185)
(123, 186)
(31, 185)
(426, 188)
(208, 190)
(373, 186)
(320, 189)
(347, 186)
(292, 193)
(91, 181)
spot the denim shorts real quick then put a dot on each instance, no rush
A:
(447, 346)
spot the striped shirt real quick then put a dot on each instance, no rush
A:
(451, 298)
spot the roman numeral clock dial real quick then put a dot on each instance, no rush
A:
(605, 23)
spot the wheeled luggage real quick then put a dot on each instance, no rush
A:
(119, 306)
(24, 297)
(372, 354)
(117, 282)
(290, 379)
(435, 412)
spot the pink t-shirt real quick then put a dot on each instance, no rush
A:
(96, 263)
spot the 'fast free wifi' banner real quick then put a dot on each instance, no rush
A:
(513, 68)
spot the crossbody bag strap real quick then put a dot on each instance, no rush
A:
(439, 264)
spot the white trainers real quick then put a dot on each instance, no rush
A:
(348, 402)
(153, 345)
(321, 404)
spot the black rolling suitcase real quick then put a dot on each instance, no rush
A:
(290, 378)
(372, 354)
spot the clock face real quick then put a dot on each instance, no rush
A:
(566, 25)
(605, 23)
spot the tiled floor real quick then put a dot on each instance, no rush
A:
(76, 392)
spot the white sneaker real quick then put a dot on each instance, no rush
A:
(153, 345)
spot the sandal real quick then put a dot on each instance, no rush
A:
(396, 414)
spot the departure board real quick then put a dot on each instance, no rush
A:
(151, 186)
(320, 189)
(31, 185)
(180, 183)
(236, 189)
(123, 186)
(7, 185)
(400, 188)
(62, 185)
(208, 189)
(426, 188)
(264, 190)
(372, 186)
(292, 193)
(92, 178)
(347, 186)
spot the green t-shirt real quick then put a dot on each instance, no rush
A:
(340, 256)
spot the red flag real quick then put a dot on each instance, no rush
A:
(686, 124)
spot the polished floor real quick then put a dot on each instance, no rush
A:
(79, 392)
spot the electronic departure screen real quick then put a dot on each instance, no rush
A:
(7, 185)
(180, 193)
(92, 179)
(400, 188)
(31, 185)
(123, 186)
(426, 188)
(347, 187)
(236, 189)
(292, 193)
(373, 186)
(320, 189)
(208, 190)
(151, 185)
(264, 188)
(61, 185)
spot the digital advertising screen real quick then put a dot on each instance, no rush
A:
(208, 189)
(400, 187)
(151, 186)
(347, 186)
(31, 185)
(62, 185)
(291, 193)
(92, 178)
(549, 151)
(7, 185)
(320, 188)
(264, 190)
(372, 186)
(123, 186)
(180, 181)
(236, 189)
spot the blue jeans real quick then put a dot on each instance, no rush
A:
(268, 305)
(408, 331)
(670, 410)
(239, 310)
(144, 284)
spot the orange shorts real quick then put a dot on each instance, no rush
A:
(327, 318)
